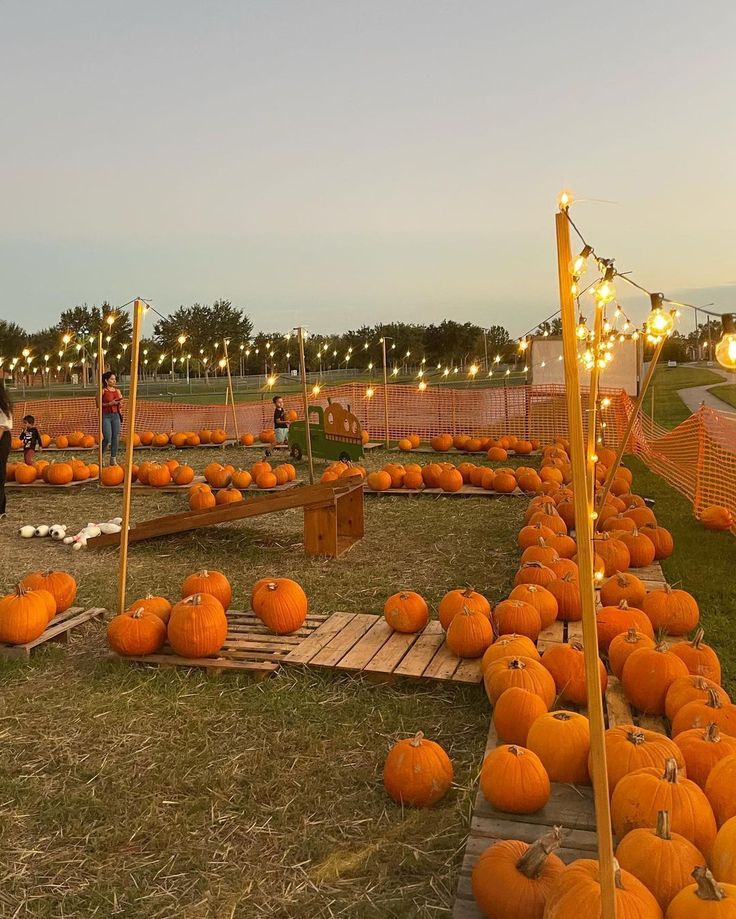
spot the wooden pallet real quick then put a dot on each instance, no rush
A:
(249, 646)
(199, 479)
(40, 485)
(467, 491)
(425, 448)
(569, 806)
(57, 630)
(360, 643)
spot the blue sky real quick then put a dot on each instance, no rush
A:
(345, 162)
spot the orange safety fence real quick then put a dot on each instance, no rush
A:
(698, 458)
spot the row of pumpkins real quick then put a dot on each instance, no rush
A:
(451, 478)
(669, 796)
(37, 598)
(229, 482)
(496, 448)
(196, 626)
(52, 473)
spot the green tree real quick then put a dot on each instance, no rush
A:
(13, 339)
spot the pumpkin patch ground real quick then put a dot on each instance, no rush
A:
(223, 796)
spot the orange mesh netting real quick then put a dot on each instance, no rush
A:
(698, 458)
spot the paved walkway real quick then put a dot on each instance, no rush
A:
(693, 396)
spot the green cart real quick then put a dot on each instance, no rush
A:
(335, 432)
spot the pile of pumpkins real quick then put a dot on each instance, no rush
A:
(450, 478)
(37, 598)
(17, 444)
(467, 443)
(224, 484)
(52, 473)
(196, 626)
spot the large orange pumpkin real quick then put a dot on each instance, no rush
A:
(648, 674)
(673, 611)
(23, 615)
(703, 749)
(455, 601)
(517, 617)
(281, 604)
(197, 626)
(719, 789)
(469, 633)
(417, 772)
(561, 740)
(623, 646)
(577, 892)
(406, 611)
(60, 584)
(136, 633)
(699, 658)
(208, 581)
(630, 748)
(525, 672)
(716, 517)
(512, 879)
(514, 780)
(705, 899)
(566, 664)
(515, 712)
(540, 598)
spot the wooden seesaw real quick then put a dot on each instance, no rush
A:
(333, 517)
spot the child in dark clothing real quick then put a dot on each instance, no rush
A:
(30, 438)
(280, 424)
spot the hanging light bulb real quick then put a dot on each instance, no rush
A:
(523, 344)
(578, 264)
(316, 389)
(659, 321)
(582, 330)
(369, 392)
(635, 336)
(726, 347)
(422, 386)
(604, 290)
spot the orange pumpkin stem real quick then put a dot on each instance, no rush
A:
(532, 861)
(712, 734)
(708, 889)
(696, 642)
(663, 825)
(713, 699)
(20, 590)
(632, 636)
(417, 739)
(138, 613)
(670, 771)
(636, 737)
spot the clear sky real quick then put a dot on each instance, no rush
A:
(346, 162)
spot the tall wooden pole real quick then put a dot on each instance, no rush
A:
(100, 371)
(385, 393)
(584, 536)
(230, 389)
(128, 480)
(623, 443)
(305, 403)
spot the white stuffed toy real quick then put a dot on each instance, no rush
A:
(90, 531)
(57, 530)
(28, 532)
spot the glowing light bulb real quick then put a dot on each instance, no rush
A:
(726, 347)
(659, 321)
(581, 330)
(594, 515)
(271, 380)
(523, 344)
(182, 338)
(635, 336)
(604, 291)
(316, 389)
(598, 576)
(422, 386)
(578, 264)
(605, 402)
(369, 392)
(473, 370)
(564, 200)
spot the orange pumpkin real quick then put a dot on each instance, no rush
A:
(197, 626)
(406, 611)
(672, 611)
(630, 748)
(699, 658)
(540, 598)
(514, 780)
(647, 675)
(517, 617)
(455, 601)
(716, 517)
(561, 740)
(624, 645)
(524, 672)
(417, 772)
(469, 633)
(136, 633)
(566, 664)
(208, 581)
(509, 646)
(23, 615)
(60, 584)
(281, 604)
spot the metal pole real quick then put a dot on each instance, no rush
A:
(128, 480)
(230, 389)
(485, 346)
(611, 475)
(385, 393)
(101, 368)
(584, 535)
(305, 402)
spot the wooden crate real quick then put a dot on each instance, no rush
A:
(249, 646)
(569, 806)
(360, 643)
(57, 630)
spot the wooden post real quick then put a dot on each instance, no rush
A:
(623, 443)
(385, 393)
(101, 370)
(305, 401)
(230, 389)
(128, 480)
(584, 536)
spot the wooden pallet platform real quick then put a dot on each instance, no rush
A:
(467, 491)
(57, 630)
(425, 448)
(249, 646)
(139, 487)
(38, 485)
(361, 643)
(569, 806)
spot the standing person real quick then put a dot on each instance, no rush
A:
(30, 438)
(280, 424)
(6, 426)
(112, 420)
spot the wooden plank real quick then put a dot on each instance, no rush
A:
(391, 654)
(468, 671)
(422, 651)
(575, 631)
(617, 707)
(467, 491)
(319, 638)
(40, 485)
(320, 530)
(652, 723)
(218, 663)
(570, 806)
(552, 635)
(338, 647)
(368, 646)
(59, 627)
(443, 665)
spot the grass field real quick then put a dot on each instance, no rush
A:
(726, 392)
(669, 409)
(141, 792)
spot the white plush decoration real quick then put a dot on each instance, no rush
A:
(57, 530)
(43, 530)
(91, 530)
(27, 532)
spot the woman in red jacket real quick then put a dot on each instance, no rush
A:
(112, 420)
